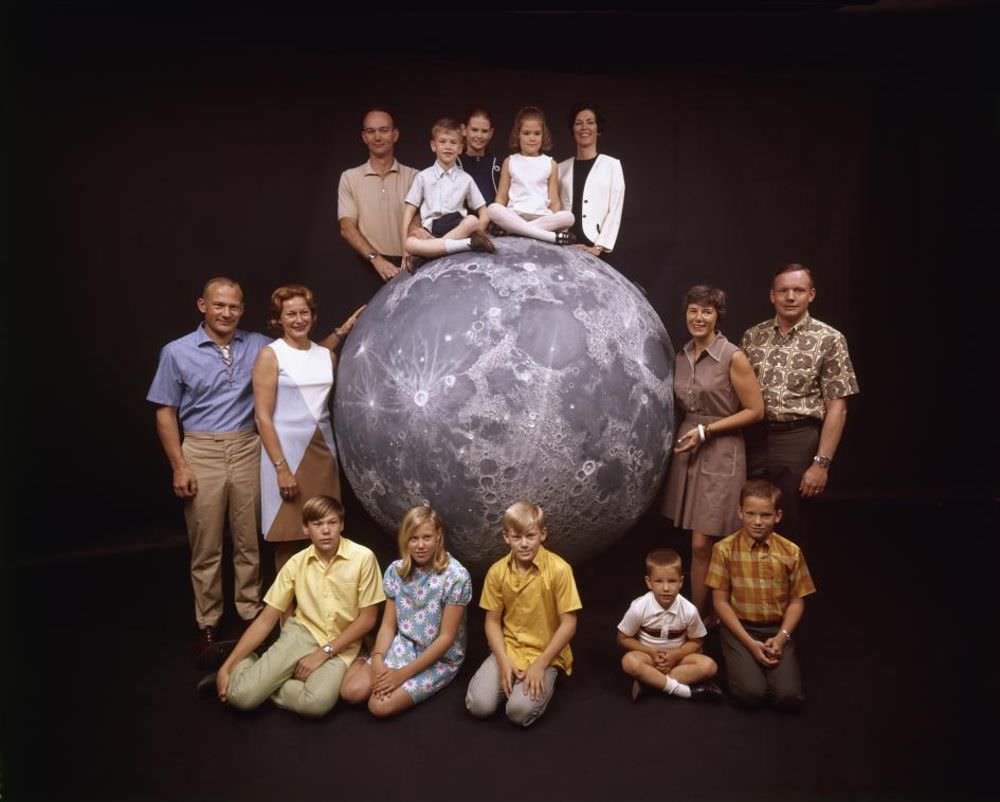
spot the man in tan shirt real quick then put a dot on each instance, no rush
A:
(370, 197)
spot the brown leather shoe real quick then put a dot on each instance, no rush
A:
(212, 652)
(207, 637)
(481, 243)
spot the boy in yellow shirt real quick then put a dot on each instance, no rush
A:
(530, 598)
(337, 586)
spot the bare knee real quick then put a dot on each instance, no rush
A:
(380, 708)
(701, 548)
(632, 663)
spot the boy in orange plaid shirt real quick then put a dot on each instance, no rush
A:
(759, 580)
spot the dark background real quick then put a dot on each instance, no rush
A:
(154, 148)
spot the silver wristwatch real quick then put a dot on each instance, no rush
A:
(328, 649)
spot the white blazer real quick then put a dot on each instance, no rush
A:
(603, 199)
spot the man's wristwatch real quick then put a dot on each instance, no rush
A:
(328, 650)
(819, 459)
(371, 257)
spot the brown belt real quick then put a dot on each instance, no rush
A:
(788, 425)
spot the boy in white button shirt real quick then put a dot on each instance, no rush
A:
(666, 655)
(442, 193)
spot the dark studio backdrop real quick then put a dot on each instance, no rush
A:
(153, 148)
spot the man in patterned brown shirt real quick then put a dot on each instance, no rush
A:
(805, 374)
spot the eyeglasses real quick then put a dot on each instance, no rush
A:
(372, 131)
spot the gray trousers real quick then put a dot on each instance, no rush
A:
(485, 694)
(782, 457)
(750, 682)
(254, 679)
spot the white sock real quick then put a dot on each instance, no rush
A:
(456, 245)
(675, 688)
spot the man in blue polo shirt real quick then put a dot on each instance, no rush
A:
(203, 385)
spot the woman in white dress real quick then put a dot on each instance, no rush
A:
(292, 380)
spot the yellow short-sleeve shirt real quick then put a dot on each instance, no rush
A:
(530, 605)
(329, 597)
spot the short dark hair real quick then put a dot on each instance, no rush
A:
(793, 267)
(318, 507)
(599, 115)
(663, 558)
(761, 488)
(380, 110)
(223, 280)
(703, 295)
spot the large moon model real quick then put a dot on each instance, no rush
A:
(537, 372)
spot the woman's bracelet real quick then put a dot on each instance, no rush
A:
(380, 654)
(279, 463)
(701, 433)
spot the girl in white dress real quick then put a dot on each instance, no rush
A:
(527, 201)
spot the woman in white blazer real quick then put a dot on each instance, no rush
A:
(592, 185)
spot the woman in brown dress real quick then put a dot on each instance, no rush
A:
(717, 390)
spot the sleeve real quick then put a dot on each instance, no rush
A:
(474, 199)
(390, 582)
(347, 204)
(167, 388)
(280, 594)
(415, 194)
(612, 220)
(836, 378)
(800, 582)
(460, 589)
(369, 581)
(717, 577)
(745, 342)
(567, 597)
(566, 185)
(696, 627)
(631, 621)
(492, 596)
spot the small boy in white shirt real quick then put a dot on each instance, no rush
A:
(442, 193)
(666, 655)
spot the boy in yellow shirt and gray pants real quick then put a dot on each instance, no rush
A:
(530, 598)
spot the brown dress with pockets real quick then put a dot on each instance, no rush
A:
(703, 486)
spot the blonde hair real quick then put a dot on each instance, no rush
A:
(522, 516)
(412, 521)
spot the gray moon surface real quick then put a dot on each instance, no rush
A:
(538, 372)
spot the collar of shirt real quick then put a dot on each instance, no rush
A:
(802, 324)
(369, 170)
(312, 555)
(541, 558)
(439, 170)
(201, 338)
(714, 350)
(749, 544)
(672, 609)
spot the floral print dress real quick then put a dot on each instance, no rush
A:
(420, 600)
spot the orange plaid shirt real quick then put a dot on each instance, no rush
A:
(762, 578)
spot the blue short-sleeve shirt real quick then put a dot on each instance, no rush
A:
(209, 395)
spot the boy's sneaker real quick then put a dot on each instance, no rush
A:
(635, 691)
(706, 692)
(565, 238)
(481, 243)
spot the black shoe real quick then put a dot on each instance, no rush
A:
(206, 687)
(706, 692)
(565, 238)
(481, 243)
(635, 691)
(215, 655)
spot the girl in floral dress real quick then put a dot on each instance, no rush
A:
(421, 643)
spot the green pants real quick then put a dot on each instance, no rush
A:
(254, 679)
